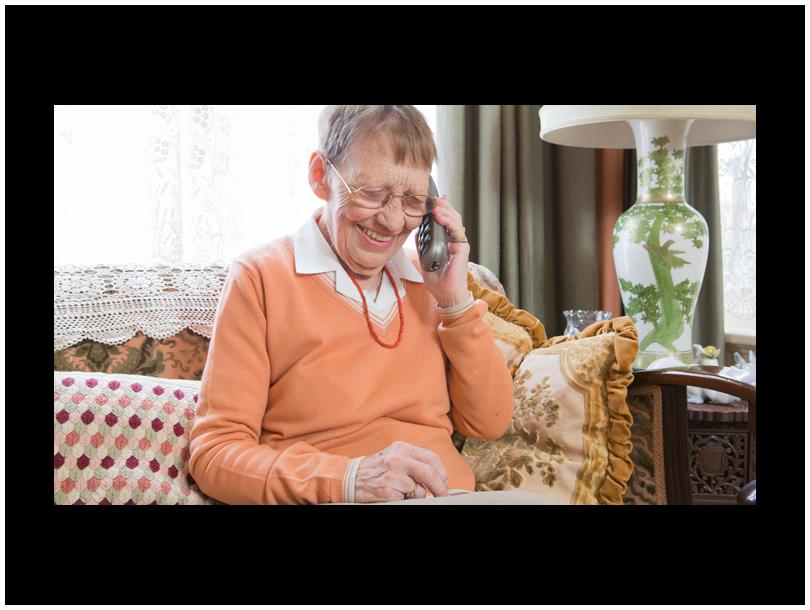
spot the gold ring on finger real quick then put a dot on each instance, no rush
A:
(411, 494)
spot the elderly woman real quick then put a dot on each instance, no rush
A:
(338, 370)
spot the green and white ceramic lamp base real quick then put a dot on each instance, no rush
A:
(661, 245)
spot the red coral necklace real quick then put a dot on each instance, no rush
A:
(365, 308)
(363, 296)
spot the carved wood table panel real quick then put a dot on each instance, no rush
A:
(722, 453)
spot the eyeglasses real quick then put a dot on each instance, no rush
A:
(373, 197)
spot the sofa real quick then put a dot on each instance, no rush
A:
(130, 346)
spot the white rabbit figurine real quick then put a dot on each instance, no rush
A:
(750, 366)
(743, 371)
(692, 394)
(708, 356)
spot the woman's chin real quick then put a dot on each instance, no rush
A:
(367, 268)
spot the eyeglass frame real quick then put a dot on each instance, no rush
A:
(401, 196)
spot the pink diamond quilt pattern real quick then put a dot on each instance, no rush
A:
(123, 439)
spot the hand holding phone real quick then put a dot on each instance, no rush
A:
(432, 238)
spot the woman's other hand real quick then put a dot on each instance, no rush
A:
(449, 285)
(399, 469)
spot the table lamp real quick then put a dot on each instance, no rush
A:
(660, 244)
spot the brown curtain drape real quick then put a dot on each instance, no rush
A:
(609, 193)
(528, 206)
(541, 216)
(702, 191)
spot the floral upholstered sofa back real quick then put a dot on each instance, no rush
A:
(137, 320)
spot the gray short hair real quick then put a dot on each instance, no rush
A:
(340, 126)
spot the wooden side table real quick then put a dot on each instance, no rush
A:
(714, 427)
(722, 452)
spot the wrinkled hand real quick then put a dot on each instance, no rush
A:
(395, 471)
(449, 285)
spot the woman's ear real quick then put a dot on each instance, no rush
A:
(317, 176)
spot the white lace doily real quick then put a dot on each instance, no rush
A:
(110, 304)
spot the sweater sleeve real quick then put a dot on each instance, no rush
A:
(226, 459)
(478, 380)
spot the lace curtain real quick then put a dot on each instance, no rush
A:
(738, 207)
(171, 184)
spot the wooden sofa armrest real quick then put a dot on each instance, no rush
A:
(704, 377)
(673, 384)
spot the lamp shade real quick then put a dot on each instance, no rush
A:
(607, 126)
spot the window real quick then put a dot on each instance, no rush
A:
(170, 184)
(738, 205)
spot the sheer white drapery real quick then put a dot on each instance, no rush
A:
(738, 208)
(171, 184)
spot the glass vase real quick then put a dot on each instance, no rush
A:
(580, 319)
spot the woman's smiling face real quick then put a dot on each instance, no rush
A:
(346, 224)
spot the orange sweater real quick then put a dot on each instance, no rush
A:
(295, 386)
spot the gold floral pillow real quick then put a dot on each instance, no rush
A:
(515, 331)
(500, 307)
(570, 434)
(512, 340)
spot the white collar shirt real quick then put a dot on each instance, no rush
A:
(313, 255)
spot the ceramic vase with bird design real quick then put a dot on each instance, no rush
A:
(661, 245)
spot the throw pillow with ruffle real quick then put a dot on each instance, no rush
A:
(570, 434)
